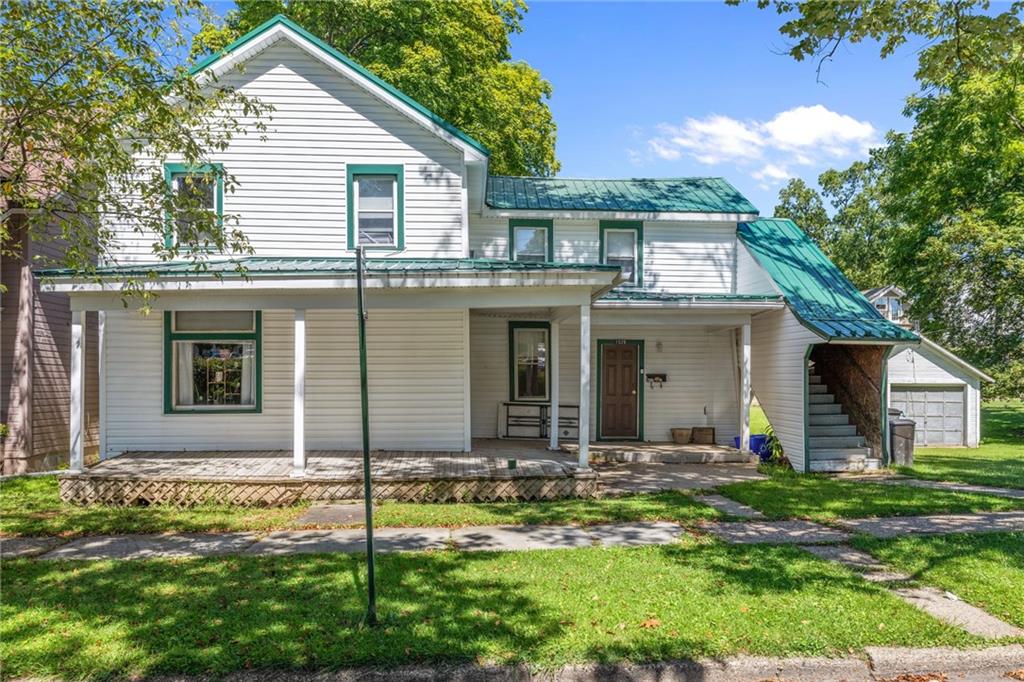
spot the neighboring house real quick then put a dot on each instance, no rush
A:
(929, 384)
(614, 309)
(35, 351)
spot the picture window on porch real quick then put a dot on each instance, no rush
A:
(212, 361)
(199, 192)
(531, 241)
(622, 244)
(375, 206)
(529, 343)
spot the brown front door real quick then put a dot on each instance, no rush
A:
(620, 378)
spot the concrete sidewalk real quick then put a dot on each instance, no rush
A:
(498, 538)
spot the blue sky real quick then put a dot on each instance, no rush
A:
(673, 89)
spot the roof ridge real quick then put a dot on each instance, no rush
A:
(557, 177)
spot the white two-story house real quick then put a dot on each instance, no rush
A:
(498, 306)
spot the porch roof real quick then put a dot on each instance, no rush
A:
(817, 292)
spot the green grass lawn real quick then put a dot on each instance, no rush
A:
(758, 420)
(999, 461)
(31, 506)
(212, 616)
(985, 570)
(789, 495)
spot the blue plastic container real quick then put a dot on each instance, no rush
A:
(758, 445)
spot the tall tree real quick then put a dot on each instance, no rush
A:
(951, 189)
(452, 57)
(85, 88)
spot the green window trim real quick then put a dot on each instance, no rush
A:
(548, 225)
(526, 324)
(173, 169)
(640, 384)
(170, 336)
(398, 171)
(623, 225)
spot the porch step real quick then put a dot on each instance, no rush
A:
(817, 388)
(829, 419)
(825, 408)
(667, 454)
(831, 429)
(839, 465)
(853, 441)
(840, 453)
(821, 398)
(813, 379)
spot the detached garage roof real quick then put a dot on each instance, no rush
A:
(661, 195)
(814, 288)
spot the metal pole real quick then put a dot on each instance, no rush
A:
(371, 584)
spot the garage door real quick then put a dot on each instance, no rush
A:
(938, 411)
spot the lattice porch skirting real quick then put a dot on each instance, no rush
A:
(121, 491)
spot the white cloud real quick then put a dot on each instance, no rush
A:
(802, 136)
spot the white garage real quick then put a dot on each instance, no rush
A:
(939, 391)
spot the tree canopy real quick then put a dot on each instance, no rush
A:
(942, 205)
(452, 57)
(84, 88)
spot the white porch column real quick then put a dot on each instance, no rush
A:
(745, 388)
(584, 454)
(553, 378)
(467, 385)
(299, 405)
(77, 390)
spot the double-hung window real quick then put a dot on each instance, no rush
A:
(375, 211)
(199, 203)
(531, 241)
(212, 361)
(528, 344)
(622, 244)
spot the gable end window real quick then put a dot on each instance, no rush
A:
(531, 241)
(622, 244)
(212, 361)
(528, 344)
(375, 198)
(201, 189)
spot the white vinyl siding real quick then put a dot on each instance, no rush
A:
(751, 278)
(416, 385)
(290, 197)
(920, 367)
(698, 361)
(777, 374)
(685, 257)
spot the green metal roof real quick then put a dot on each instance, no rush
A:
(814, 288)
(645, 295)
(660, 195)
(266, 266)
(375, 80)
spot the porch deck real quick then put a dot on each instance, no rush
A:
(264, 478)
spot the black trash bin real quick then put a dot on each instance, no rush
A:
(901, 441)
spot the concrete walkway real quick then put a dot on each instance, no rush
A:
(498, 538)
(944, 606)
(1014, 493)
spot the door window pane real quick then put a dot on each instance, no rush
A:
(375, 209)
(620, 249)
(531, 244)
(531, 370)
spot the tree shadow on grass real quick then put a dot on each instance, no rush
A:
(215, 616)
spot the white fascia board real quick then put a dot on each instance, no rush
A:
(598, 280)
(955, 359)
(728, 306)
(280, 31)
(649, 216)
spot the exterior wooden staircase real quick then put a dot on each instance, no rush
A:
(834, 442)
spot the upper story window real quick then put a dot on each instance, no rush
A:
(622, 244)
(212, 361)
(531, 241)
(200, 190)
(376, 195)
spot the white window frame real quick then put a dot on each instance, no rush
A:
(547, 242)
(636, 251)
(356, 179)
(546, 331)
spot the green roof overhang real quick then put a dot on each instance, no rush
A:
(816, 291)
